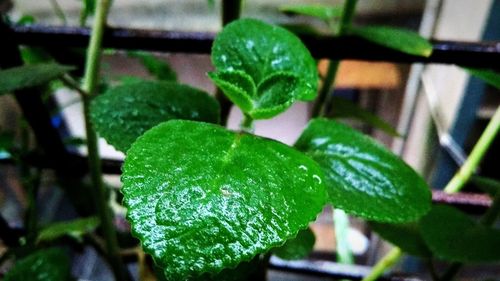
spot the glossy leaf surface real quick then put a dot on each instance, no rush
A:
(50, 264)
(125, 112)
(75, 229)
(405, 41)
(202, 198)
(405, 236)
(489, 76)
(297, 248)
(323, 12)
(276, 62)
(342, 108)
(454, 236)
(364, 178)
(30, 76)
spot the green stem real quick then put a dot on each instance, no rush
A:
(324, 99)
(91, 80)
(341, 223)
(386, 262)
(247, 124)
(469, 167)
(59, 11)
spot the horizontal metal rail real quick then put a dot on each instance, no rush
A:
(471, 54)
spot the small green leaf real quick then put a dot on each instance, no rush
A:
(297, 248)
(237, 86)
(125, 112)
(453, 236)
(322, 12)
(50, 264)
(489, 76)
(30, 75)
(156, 67)
(26, 20)
(76, 229)
(202, 198)
(342, 108)
(264, 52)
(363, 177)
(405, 41)
(488, 185)
(405, 236)
(88, 9)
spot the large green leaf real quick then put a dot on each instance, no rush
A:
(363, 177)
(343, 108)
(405, 41)
(453, 236)
(489, 76)
(50, 264)
(202, 198)
(298, 247)
(30, 75)
(274, 60)
(405, 236)
(323, 12)
(76, 229)
(125, 112)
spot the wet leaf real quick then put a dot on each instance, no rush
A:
(405, 236)
(405, 41)
(297, 248)
(202, 198)
(125, 112)
(30, 76)
(50, 264)
(364, 178)
(322, 12)
(272, 58)
(454, 236)
(76, 229)
(342, 108)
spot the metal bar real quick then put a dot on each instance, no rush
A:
(472, 54)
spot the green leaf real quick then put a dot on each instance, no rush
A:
(362, 176)
(50, 264)
(405, 236)
(265, 53)
(489, 76)
(202, 198)
(30, 75)
(237, 86)
(88, 9)
(322, 12)
(488, 185)
(402, 40)
(453, 236)
(342, 108)
(125, 112)
(156, 67)
(76, 229)
(297, 248)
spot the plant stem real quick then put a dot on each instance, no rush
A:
(91, 80)
(463, 176)
(341, 221)
(323, 100)
(386, 262)
(247, 124)
(470, 165)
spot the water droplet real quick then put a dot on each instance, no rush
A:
(317, 178)
(302, 167)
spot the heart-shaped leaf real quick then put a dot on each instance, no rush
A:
(453, 236)
(202, 198)
(125, 112)
(405, 236)
(363, 177)
(50, 264)
(405, 41)
(76, 229)
(298, 247)
(30, 76)
(266, 54)
(322, 12)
